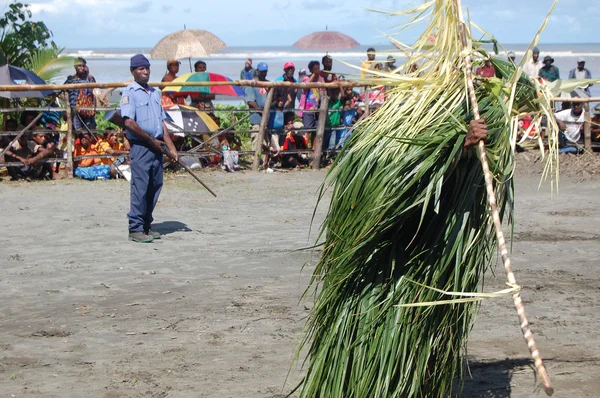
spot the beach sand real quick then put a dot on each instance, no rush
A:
(214, 308)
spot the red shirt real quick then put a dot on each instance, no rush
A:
(486, 71)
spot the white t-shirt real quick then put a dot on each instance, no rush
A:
(532, 68)
(574, 124)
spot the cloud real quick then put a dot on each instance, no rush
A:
(140, 8)
(165, 9)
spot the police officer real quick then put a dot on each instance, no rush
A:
(143, 118)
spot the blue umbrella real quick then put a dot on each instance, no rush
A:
(14, 75)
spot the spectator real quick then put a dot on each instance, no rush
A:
(511, 56)
(326, 74)
(256, 97)
(287, 94)
(170, 99)
(27, 117)
(390, 64)
(549, 72)
(276, 125)
(83, 97)
(89, 168)
(311, 98)
(29, 150)
(200, 66)
(595, 124)
(532, 67)
(172, 70)
(570, 122)
(301, 79)
(368, 63)
(293, 142)
(581, 73)
(204, 101)
(110, 145)
(332, 132)
(487, 70)
(248, 73)
(348, 118)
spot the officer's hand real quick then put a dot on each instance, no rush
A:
(477, 132)
(156, 144)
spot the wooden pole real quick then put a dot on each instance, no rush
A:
(489, 184)
(242, 83)
(367, 102)
(261, 131)
(587, 131)
(318, 142)
(69, 165)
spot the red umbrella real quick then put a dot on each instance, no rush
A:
(326, 40)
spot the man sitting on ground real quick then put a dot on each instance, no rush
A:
(570, 122)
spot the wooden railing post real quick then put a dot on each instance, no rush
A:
(318, 143)
(69, 165)
(261, 131)
(367, 102)
(587, 131)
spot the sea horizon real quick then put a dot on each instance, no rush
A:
(111, 64)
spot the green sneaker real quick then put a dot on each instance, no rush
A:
(153, 234)
(140, 237)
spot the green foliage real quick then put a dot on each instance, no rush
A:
(102, 123)
(228, 119)
(48, 64)
(20, 37)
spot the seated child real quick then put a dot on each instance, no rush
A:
(293, 141)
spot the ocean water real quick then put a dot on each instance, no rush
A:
(112, 64)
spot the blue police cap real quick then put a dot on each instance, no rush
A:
(139, 60)
(263, 67)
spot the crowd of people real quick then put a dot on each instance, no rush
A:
(292, 122)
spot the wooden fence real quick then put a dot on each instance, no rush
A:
(320, 130)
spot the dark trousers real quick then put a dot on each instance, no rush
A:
(146, 183)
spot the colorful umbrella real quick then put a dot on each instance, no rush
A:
(188, 118)
(14, 75)
(326, 40)
(232, 91)
(179, 118)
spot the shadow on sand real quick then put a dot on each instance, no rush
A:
(493, 379)
(169, 227)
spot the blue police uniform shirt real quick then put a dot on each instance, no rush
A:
(258, 95)
(144, 108)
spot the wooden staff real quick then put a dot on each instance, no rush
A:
(587, 131)
(535, 354)
(69, 114)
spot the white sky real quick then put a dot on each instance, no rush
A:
(112, 23)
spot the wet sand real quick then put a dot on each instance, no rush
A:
(214, 308)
